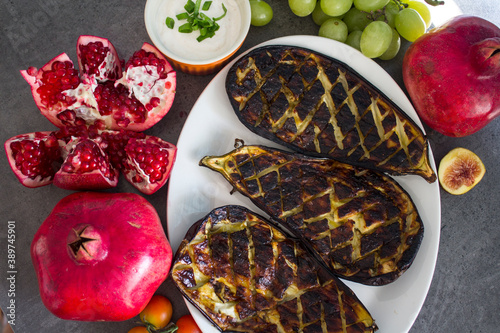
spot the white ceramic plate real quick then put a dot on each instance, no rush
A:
(212, 128)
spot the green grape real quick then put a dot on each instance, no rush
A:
(356, 19)
(318, 15)
(393, 48)
(334, 28)
(354, 38)
(390, 12)
(410, 24)
(370, 5)
(422, 9)
(261, 13)
(375, 39)
(302, 7)
(335, 7)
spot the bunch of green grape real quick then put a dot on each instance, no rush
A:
(374, 27)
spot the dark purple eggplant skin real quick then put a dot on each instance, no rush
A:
(311, 275)
(269, 103)
(311, 175)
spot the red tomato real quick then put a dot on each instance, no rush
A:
(138, 329)
(186, 324)
(158, 312)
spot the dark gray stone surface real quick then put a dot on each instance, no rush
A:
(464, 295)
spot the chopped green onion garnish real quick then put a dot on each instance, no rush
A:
(186, 28)
(206, 5)
(197, 7)
(182, 16)
(196, 20)
(225, 11)
(206, 21)
(189, 7)
(170, 22)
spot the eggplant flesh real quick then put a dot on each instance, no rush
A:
(245, 275)
(319, 106)
(361, 223)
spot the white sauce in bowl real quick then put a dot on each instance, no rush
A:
(185, 45)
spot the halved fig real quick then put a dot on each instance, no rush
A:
(460, 170)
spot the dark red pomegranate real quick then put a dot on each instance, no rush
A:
(54, 86)
(34, 157)
(115, 142)
(86, 167)
(100, 256)
(135, 98)
(83, 158)
(97, 57)
(452, 74)
(148, 163)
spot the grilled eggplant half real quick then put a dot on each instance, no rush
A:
(362, 224)
(319, 106)
(245, 275)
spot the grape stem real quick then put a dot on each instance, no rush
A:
(434, 2)
(375, 14)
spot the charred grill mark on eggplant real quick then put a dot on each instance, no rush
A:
(361, 223)
(319, 106)
(247, 276)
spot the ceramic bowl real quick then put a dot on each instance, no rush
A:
(188, 55)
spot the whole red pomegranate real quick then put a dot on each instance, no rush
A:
(135, 97)
(452, 74)
(100, 256)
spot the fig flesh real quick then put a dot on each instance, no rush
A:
(460, 170)
(452, 74)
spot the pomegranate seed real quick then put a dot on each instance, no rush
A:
(86, 156)
(155, 101)
(32, 71)
(123, 123)
(156, 175)
(137, 179)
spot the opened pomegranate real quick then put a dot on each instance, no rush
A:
(134, 98)
(148, 162)
(85, 158)
(100, 256)
(86, 167)
(452, 75)
(34, 157)
(97, 57)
